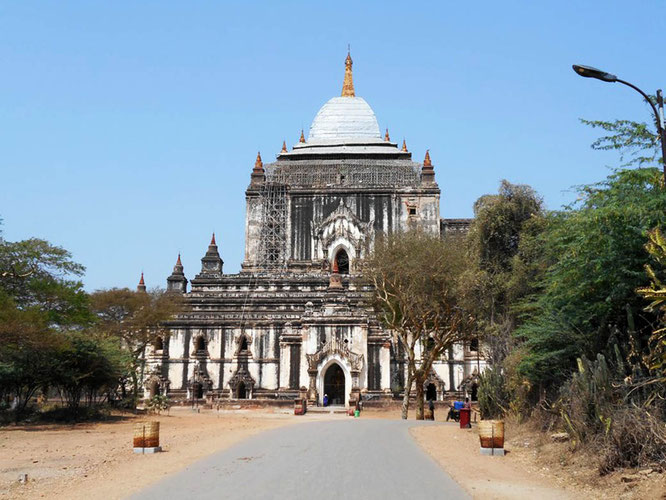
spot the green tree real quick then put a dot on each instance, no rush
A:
(596, 251)
(134, 319)
(416, 292)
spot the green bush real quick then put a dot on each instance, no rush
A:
(494, 397)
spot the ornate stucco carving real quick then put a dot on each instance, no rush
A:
(333, 347)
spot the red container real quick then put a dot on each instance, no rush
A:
(465, 418)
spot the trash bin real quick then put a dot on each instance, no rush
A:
(299, 406)
(465, 418)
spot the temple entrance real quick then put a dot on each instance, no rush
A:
(242, 392)
(334, 385)
(342, 260)
(431, 393)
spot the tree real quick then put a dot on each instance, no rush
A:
(135, 319)
(501, 268)
(40, 299)
(596, 254)
(416, 296)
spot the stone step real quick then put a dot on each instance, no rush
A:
(327, 409)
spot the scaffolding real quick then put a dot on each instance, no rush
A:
(273, 238)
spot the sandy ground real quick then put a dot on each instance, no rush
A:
(534, 467)
(96, 460)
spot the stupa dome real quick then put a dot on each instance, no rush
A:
(344, 118)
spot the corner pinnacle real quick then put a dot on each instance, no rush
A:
(404, 146)
(302, 139)
(348, 84)
(426, 161)
(386, 136)
(284, 147)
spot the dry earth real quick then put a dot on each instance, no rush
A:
(96, 461)
(534, 467)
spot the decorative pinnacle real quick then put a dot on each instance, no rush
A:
(348, 84)
(386, 136)
(258, 165)
(284, 147)
(426, 161)
(141, 282)
(212, 241)
(178, 263)
(302, 139)
(404, 146)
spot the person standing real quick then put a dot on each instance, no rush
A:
(325, 399)
(431, 407)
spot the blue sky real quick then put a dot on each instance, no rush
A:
(128, 130)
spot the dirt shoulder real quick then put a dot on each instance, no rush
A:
(96, 460)
(534, 467)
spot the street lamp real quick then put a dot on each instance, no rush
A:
(590, 72)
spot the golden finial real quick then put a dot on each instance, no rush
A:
(404, 146)
(284, 147)
(386, 136)
(426, 161)
(348, 85)
(258, 164)
(302, 139)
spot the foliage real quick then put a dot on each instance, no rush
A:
(87, 366)
(631, 139)
(656, 292)
(600, 409)
(134, 319)
(157, 404)
(501, 265)
(494, 398)
(415, 278)
(596, 255)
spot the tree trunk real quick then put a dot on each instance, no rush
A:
(419, 399)
(405, 397)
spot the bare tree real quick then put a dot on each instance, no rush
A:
(415, 277)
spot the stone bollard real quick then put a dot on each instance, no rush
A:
(147, 437)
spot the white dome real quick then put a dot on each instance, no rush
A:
(344, 118)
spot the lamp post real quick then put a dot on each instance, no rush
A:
(590, 72)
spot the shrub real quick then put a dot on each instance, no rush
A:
(493, 395)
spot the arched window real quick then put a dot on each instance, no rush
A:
(242, 392)
(342, 260)
(158, 344)
(243, 345)
(200, 344)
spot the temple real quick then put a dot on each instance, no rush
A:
(293, 319)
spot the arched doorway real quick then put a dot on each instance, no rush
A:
(334, 385)
(342, 260)
(475, 392)
(242, 392)
(431, 392)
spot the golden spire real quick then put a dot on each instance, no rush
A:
(284, 147)
(302, 139)
(404, 146)
(348, 85)
(386, 136)
(426, 161)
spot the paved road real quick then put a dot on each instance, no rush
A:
(338, 459)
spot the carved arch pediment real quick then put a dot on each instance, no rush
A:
(334, 347)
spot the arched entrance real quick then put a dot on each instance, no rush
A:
(431, 393)
(342, 260)
(334, 385)
(242, 392)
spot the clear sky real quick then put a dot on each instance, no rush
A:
(128, 130)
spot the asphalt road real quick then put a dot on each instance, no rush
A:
(338, 459)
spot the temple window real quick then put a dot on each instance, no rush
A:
(158, 344)
(243, 345)
(200, 344)
(474, 345)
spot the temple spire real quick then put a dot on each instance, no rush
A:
(212, 241)
(302, 139)
(284, 147)
(348, 85)
(141, 287)
(427, 172)
(426, 161)
(258, 164)
(404, 145)
(386, 136)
